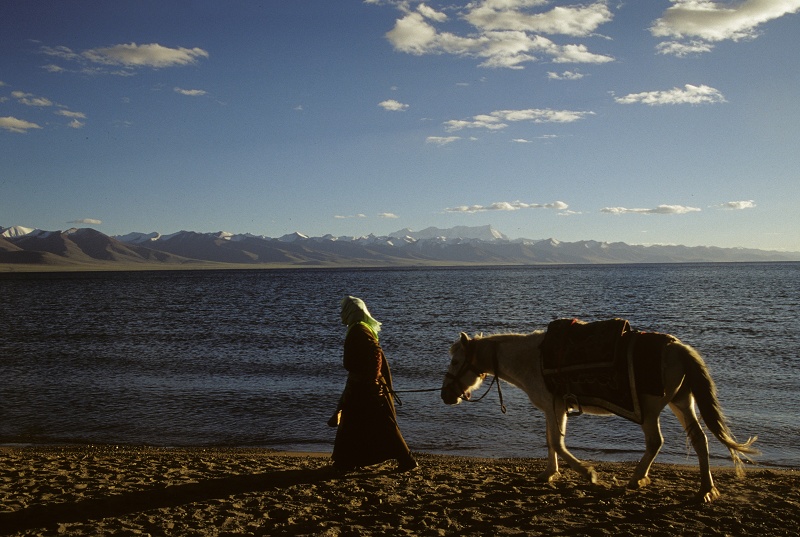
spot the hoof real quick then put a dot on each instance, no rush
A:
(546, 477)
(591, 475)
(636, 484)
(708, 496)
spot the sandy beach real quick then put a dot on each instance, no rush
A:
(105, 490)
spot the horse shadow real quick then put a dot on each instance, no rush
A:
(158, 497)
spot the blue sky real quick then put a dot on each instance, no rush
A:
(648, 122)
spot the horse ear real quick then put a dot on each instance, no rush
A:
(464, 340)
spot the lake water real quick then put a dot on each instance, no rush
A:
(253, 358)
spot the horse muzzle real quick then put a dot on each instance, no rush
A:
(449, 396)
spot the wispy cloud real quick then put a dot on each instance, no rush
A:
(661, 209)
(150, 55)
(499, 119)
(29, 99)
(692, 26)
(737, 205)
(441, 140)
(13, 124)
(388, 215)
(566, 75)
(689, 94)
(506, 206)
(70, 113)
(127, 57)
(393, 105)
(90, 221)
(507, 33)
(346, 217)
(190, 92)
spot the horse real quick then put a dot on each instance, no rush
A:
(518, 360)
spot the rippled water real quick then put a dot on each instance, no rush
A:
(253, 358)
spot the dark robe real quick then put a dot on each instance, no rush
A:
(367, 432)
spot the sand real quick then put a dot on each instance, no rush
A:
(111, 490)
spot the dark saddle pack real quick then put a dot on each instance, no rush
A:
(604, 363)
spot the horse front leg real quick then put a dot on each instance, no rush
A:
(556, 434)
(551, 472)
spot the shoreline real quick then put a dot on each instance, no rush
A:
(104, 489)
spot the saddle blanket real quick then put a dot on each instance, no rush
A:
(604, 363)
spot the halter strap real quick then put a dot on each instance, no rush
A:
(470, 366)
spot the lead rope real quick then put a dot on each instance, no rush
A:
(399, 402)
(495, 379)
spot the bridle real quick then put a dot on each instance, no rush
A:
(470, 364)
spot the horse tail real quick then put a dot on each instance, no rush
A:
(705, 394)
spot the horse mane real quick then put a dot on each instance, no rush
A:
(498, 337)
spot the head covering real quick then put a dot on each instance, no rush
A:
(354, 310)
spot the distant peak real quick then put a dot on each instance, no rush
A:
(483, 233)
(292, 237)
(15, 231)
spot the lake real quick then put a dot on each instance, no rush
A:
(253, 357)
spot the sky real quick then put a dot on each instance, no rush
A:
(646, 122)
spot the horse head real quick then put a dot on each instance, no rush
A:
(463, 375)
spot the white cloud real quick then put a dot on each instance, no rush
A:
(127, 56)
(92, 221)
(388, 215)
(441, 140)
(675, 48)
(70, 113)
(661, 209)
(688, 95)
(577, 20)
(499, 119)
(507, 33)
(566, 75)
(707, 21)
(29, 99)
(149, 55)
(738, 205)
(13, 124)
(190, 92)
(342, 217)
(430, 13)
(53, 68)
(506, 206)
(393, 106)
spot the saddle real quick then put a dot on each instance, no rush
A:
(604, 363)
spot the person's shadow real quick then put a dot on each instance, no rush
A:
(47, 516)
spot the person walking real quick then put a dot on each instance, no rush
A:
(367, 432)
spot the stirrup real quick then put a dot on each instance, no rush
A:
(573, 406)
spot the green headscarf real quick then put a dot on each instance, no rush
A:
(355, 311)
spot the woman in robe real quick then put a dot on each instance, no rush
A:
(367, 430)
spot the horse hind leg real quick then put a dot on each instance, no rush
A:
(653, 440)
(683, 407)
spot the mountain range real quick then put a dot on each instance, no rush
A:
(89, 249)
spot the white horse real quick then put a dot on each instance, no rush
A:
(516, 358)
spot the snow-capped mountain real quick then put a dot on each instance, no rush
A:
(432, 246)
(481, 233)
